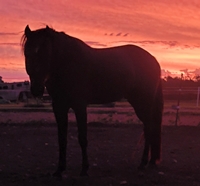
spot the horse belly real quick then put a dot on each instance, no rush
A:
(106, 91)
(104, 98)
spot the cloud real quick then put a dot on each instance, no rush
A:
(166, 44)
(96, 44)
(185, 71)
(196, 71)
(9, 34)
(117, 35)
(170, 44)
(10, 44)
(166, 73)
(9, 52)
(126, 34)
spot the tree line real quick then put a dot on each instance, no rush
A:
(182, 81)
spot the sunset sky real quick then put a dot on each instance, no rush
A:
(168, 29)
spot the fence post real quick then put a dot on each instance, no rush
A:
(198, 92)
(178, 102)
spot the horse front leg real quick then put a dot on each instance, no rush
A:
(61, 115)
(81, 117)
(145, 155)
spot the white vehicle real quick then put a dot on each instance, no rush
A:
(4, 101)
(11, 91)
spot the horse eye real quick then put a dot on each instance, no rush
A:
(36, 50)
(32, 51)
(37, 69)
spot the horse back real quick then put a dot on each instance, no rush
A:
(116, 72)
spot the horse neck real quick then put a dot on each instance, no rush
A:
(79, 44)
(66, 52)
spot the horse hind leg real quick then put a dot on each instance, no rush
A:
(149, 111)
(143, 112)
(156, 128)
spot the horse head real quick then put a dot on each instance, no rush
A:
(37, 51)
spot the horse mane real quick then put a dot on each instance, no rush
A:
(74, 42)
(23, 42)
(37, 33)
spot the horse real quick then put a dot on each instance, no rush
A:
(76, 75)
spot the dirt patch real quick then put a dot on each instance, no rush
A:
(115, 115)
(29, 154)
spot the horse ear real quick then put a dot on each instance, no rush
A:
(49, 31)
(27, 31)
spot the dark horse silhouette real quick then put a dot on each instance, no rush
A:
(76, 75)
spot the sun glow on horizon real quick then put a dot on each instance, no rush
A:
(168, 57)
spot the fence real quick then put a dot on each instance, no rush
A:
(185, 93)
(198, 92)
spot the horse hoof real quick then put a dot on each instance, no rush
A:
(141, 173)
(84, 174)
(57, 174)
(141, 167)
(152, 165)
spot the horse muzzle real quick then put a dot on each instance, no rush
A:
(37, 90)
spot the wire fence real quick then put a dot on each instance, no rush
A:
(184, 93)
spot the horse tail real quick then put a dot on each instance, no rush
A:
(156, 128)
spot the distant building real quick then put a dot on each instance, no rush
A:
(11, 91)
(25, 85)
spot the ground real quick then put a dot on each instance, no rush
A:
(29, 148)
(29, 154)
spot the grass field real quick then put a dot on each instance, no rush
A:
(187, 114)
(168, 104)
